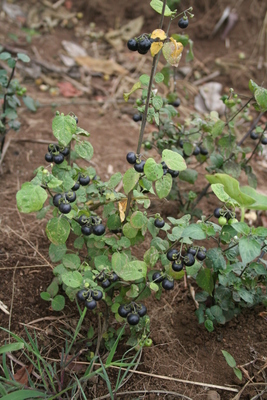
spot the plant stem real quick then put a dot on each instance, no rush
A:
(4, 109)
(242, 214)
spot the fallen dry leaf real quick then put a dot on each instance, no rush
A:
(68, 90)
(107, 67)
(21, 376)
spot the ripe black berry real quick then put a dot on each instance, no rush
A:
(76, 119)
(157, 277)
(132, 44)
(189, 260)
(65, 151)
(196, 151)
(183, 23)
(137, 117)
(97, 295)
(176, 103)
(70, 196)
(159, 223)
(99, 230)
(133, 319)
(142, 311)
(91, 304)
(64, 207)
(83, 294)
(86, 230)
(123, 311)
(217, 212)
(203, 151)
(192, 251)
(114, 277)
(131, 157)
(143, 46)
(76, 186)
(173, 173)
(254, 135)
(139, 167)
(49, 157)
(201, 255)
(58, 158)
(84, 180)
(167, 285)
(56, 199)
(264, 141)
(105, 284)
(172, 254)
(177, 266)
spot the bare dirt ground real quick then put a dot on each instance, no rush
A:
(183, 350)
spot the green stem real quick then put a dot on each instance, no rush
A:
(242, 214)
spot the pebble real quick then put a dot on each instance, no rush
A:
(213, 395)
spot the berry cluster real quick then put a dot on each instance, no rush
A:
(90, 297)
(132, 312)
(142, 44)
(159, 277)
(63, 200)
(56, 153)
(224, 216)
(135, 161)
(166, 170)
(107, 278)
(254, 136)
(137, 117)
(91, 225)
(188, 259)
(197, 149)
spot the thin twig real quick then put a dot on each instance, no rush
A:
(163, 392)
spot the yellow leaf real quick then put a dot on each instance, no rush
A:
(158, 34)
(155, 48)
(135, 87)
(172, 52)
(122, 209)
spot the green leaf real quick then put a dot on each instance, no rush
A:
(157, 6)
(131, 271)
(260, 199)
(246, 296)
(217, 128)
(5, 56)
(229, 359)
(173, 160)
(45, 296)
(163, 186)
(129, 231)
(260, 95)
(190, 54)
(189, 175)
(29, 103)
(53, 288)
(215, 259)
(24, 395)
(57, 252)
(130, 179)
(152, 170)
(23, 57)
(204, 280)
(232, 168)
(249, 249)
(138, 220)
(209, 325)
(181, 38)
(8, 348)
(30, 198)
(78, 243)
(241, 227)
(238, 373)
(159, 77)
(252, 86)
(135, 87)
(114, 180)
(151, 256)
(84, 150)
(71, 261)
(64, 126)
(114, 222)
(188, 148)
(72, 279)
(58, 303)
(194, 231)
(157, 102)
(58, 230)
(144, 79)
(231, 187)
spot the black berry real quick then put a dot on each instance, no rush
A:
(123, 311)
(49, 157)
(217, 212)
(142, 311)
(99, 230)
(173, 173)
(84, 180)
(183, 23)
(76, 119)
(105, 284)
(192, 251)
(133, 319)
(177, 266)
(264, 141)
(196, 151)
(97, 295)
(159, 223)
(132, 45)
(201, 255)
(203, 151)
(189, 260)
(137, 117)
(254, 135)
(56, 199)
(157, 277)
(70, 196)
(131, 157)
(167, 284)
(176, 103)
(143, 46)
(64, 207)
(65, 151)
(58, 158)
(82, 295)
(86, 230)
(76, 186)
(139, 167)
(114, 277)
(90, 304)
(172, 254)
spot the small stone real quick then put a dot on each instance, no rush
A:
(213, 395)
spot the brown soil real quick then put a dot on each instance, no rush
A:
(182, 349)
